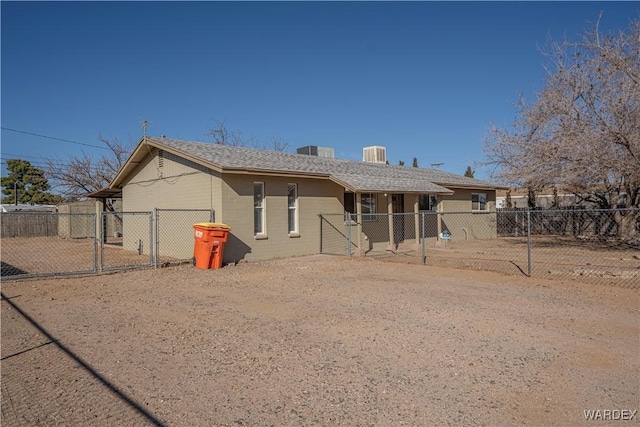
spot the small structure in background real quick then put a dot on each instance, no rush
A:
(6, 208)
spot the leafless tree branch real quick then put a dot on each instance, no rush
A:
(581, 133)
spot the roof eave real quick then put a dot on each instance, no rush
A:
(481, 186)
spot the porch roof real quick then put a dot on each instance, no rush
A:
(380, 184)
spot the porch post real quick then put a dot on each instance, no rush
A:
(416, 221)
(359, 251)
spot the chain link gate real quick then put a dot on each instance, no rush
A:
(126, 240)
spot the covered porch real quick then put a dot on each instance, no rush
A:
(392, 221)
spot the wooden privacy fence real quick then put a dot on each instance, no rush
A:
(28, 225)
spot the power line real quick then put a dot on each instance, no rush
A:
(19, 156)
(54, 138)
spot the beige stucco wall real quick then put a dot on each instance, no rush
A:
(463, 223)
(178, 183)
(174, 183)
(314, 196)
(460, 200)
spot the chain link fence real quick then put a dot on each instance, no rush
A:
(335, 235)
(174, 234)
(600, 246)
(38, 244)
(126, 240)
(34, 244)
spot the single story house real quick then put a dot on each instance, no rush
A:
(272, 200)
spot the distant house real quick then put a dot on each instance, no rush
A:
(6, 208)
(272, 200)
(544, 199)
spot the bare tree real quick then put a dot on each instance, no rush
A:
(581, 133)
(221, 135)
(278, 144)
(79, 175)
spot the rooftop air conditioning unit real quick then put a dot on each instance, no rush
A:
(374, 154)
(314, 150)
(326, 152)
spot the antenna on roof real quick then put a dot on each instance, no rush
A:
(436, 165)
(145, 123)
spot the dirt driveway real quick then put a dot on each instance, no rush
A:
(317, 341)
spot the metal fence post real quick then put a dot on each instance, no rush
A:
(151, 248)
(95, 243)
(103, 230)
(320, 217)
(347, 221)
(157, 239)
(529, 243)
(424, 239)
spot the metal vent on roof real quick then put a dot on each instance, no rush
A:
(374, 154)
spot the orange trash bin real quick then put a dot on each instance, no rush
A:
(208, 248)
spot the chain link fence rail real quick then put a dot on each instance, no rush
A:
(597, 246)
(35, 244)
(126, 241)
(174, 234)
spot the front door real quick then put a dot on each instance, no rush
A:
(397, 203)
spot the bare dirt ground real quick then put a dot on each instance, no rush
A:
(54, 255)
(316, 341)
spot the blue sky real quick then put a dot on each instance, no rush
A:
(424, 79)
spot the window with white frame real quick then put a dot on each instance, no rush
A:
(292, 202)
(368, 205)
(479, 201)
(428, 202)
(258, 209)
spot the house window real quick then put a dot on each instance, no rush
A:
(479, 201)
(368, 203)
(292, 202)
(428, 202)
(258, 209)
